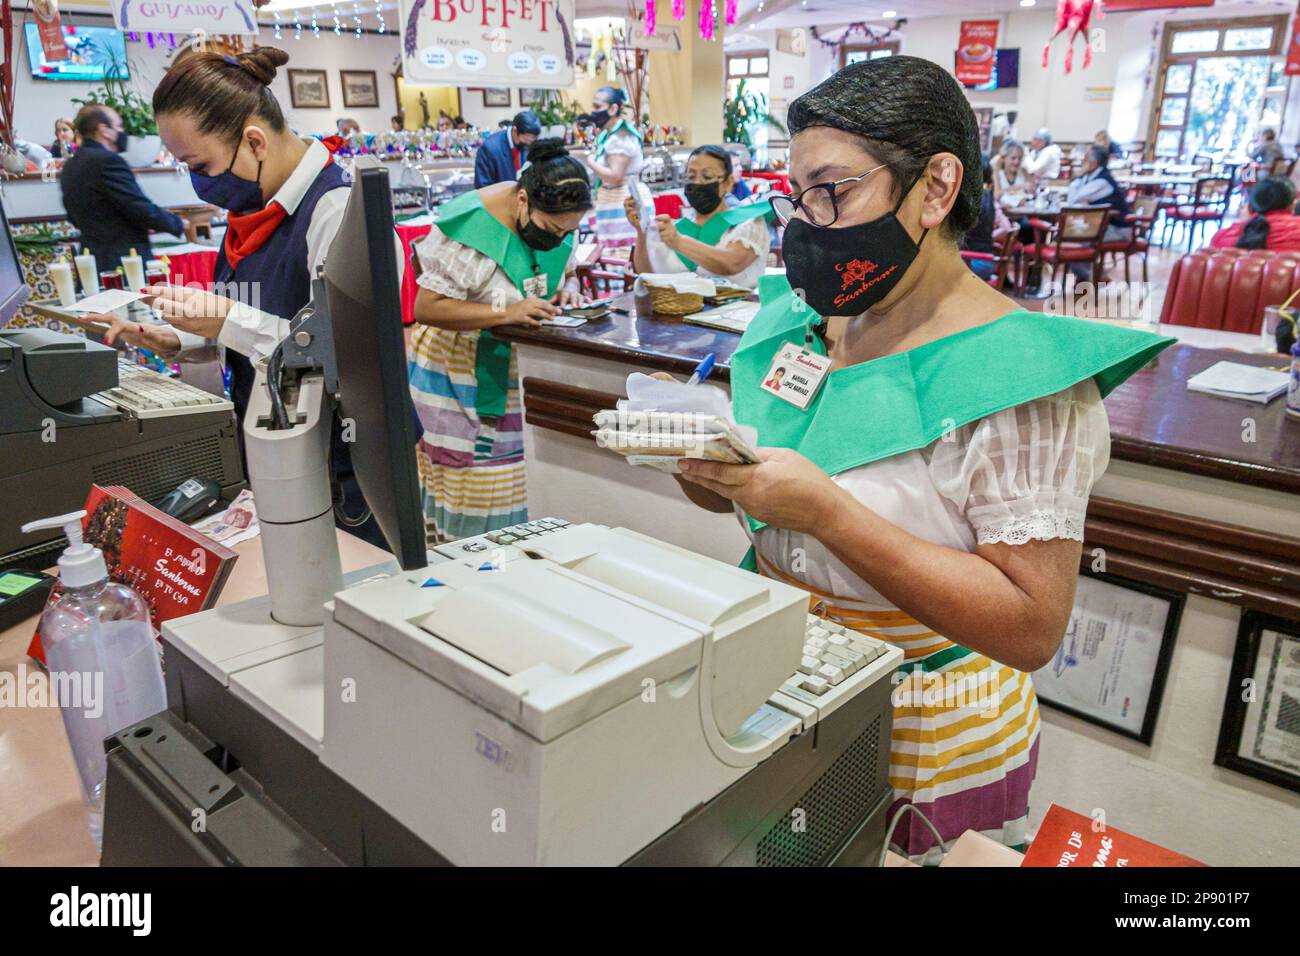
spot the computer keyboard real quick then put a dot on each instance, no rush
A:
(144, 393)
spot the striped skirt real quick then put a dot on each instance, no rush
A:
(609, 220)
(965, 740)
(471, 469)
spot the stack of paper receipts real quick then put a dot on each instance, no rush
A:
(662, 422)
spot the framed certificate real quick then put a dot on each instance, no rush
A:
(1260, 732)
(1110, 668)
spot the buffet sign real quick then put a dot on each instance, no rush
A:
(977, 49)
(212, 17)
(488, 43)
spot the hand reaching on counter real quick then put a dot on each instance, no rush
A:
(570, 294)
(156, 338)
(529, 311)
(191, 310)
(784, 489)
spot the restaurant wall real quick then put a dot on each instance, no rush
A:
(38, 102)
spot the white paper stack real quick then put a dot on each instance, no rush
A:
(1235, 380)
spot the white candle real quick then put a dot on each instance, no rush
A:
(61, 276)
(88, 272)
(133, 265)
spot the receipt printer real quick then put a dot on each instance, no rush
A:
(563, 708)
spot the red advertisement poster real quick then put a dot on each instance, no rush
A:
(1067, 838)
(50, 28)
(1293, 46)
(176, 569)
(1120, 6)
(977, 49)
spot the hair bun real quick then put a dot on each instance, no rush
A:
(545, 150)
(262, 62)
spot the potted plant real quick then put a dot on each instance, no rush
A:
(144, 144)
(554, 110)
(744, 113)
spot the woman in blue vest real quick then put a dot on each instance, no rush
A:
(285, 196)
(728, 245)
(501, 255)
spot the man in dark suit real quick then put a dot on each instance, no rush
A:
(502, 153)
(101, 195)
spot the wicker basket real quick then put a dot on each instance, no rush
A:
(665, 300)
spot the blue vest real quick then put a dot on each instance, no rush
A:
(279, 272)
(1117, 201)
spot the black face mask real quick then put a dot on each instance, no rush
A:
(847, 271)
(122, 141)
(537, 238)
(703, 197)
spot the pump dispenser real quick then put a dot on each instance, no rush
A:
(102, 656)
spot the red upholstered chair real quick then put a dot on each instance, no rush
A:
(1001, 260)
(1228, 288)
(1209, 203)
(1075, 237)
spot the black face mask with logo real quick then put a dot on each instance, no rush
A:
(846, 271)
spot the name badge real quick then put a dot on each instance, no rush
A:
(536, 286)
(796, 374)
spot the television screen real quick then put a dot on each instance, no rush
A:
(92, 53)
(1005, 74)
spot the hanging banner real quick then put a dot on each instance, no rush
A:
(977, 50)
(50, 29)
(210, 17)
(1293, 46)
(488, 42)
(1122, 6)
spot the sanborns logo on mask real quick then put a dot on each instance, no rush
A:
(856, 275)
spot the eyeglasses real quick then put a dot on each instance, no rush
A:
(703, 182)
(817, 202)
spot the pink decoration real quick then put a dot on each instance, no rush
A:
(707, 15)
(731, 12)
(679, 9)
(1074, 16)
(649, 17)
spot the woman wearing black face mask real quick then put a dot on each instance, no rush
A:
(930, 486)
(615, 159)
(502, 255)
(728, 245)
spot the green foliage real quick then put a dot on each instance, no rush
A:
(555, 110)
(743, 113)
(135, 110)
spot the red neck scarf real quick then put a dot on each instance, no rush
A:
(247, 233)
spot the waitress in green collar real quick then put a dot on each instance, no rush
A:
(502, 255)
(727, 245)
(614, 160)
(928, 454)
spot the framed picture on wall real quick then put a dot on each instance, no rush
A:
(309, 89)
(360, 88)
(496, 96)
(1111, 666)
(1260, 732)
(530, 96)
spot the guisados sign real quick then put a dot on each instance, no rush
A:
(488, 42)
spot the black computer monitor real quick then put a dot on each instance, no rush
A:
(365, 309)
(13, 287)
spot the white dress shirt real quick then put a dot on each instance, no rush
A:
(1045, 163)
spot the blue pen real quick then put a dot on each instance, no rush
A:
(701, 371)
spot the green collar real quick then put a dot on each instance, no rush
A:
(607, 133)
(465, 220)
(908, 400)
(714, 228)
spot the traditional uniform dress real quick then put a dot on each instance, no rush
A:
(609, 219)
(465, 384)
(995, 434)
(746, 224)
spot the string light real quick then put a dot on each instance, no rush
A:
(338, 27)
(315, 27)
(379, 12)
(276, 14)
(356, 18)
(297, 26)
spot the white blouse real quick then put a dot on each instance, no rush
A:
(622, 143)
(1018, 475)
(457, 271)
(753, 235)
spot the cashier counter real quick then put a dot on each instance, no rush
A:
(581, 695)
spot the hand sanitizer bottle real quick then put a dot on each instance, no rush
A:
(103, 659)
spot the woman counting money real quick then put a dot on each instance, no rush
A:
(929, 488)
(502, 255)
(614, 160)
(727, 245)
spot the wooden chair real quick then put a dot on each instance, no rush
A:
(1001, 259)
(1075, 238)
(1145, 210)
(1209, 203)
(605, 273)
